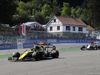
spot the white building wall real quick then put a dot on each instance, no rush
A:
(96, 34)
(76, 29)
(54, 26)
(84, 30)
(90, 33)
(63, 27)
(98, 37)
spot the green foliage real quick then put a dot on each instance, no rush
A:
(46, 10)
(40, 18)
(34, 12)
(20, 18)
(66, 10)
(21, 7)
(15, 11)
(94, 13)
(78, 11)
(56, 11)
(55, 2)
(73, 12)
(7, 9)
(73, 3)
(30, 7)
(83, 16)
(22, 14)
(37, 4)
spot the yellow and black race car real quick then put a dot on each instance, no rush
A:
(37, 53)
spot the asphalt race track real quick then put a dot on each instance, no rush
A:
(72, 61)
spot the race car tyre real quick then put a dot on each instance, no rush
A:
(45, 54)
(93, 48)
(83, 47)
(98, 47)
(36, 56)
(16, 54)
(54, 54)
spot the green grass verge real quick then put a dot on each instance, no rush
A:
(5, 55)
(76, 48)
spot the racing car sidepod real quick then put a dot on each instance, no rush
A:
(24, 54)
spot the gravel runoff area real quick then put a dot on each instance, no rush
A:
(72, 61)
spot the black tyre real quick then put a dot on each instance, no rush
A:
(83, 47)
(36, 56)
(98, 47)
(16, 55)
(54, 54)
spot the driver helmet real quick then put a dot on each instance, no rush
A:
(37, 47)
(31, 49)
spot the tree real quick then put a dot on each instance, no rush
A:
(84, 16)
(73, 12)
(21, 7)
(37, 4)
(22, 14)
(56, 11)
(78, 11)
(46, 10)
(21, 18)
(53, 4)
(65, 10)
(7, 10)
(40, 18)
(30, 6)
(73, 3)
(94, 13)
(34, 12)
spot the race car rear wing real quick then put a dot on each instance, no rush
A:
(45, 45)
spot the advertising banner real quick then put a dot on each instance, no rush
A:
(52, 41)
(8, 46)
(28, 45)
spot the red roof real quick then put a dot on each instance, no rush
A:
(89, 27)
(71, 21)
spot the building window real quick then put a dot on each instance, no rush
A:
(54, 20)
(73, 28)
(50, 28)
(67, 27)
(58, 27)
(80, 29)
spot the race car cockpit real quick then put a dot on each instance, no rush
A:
(38, 48)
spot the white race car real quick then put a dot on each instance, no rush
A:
(95, 46)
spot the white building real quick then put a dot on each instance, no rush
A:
(90, 31)
(97, 34)
(34, 30)
(67, 27)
